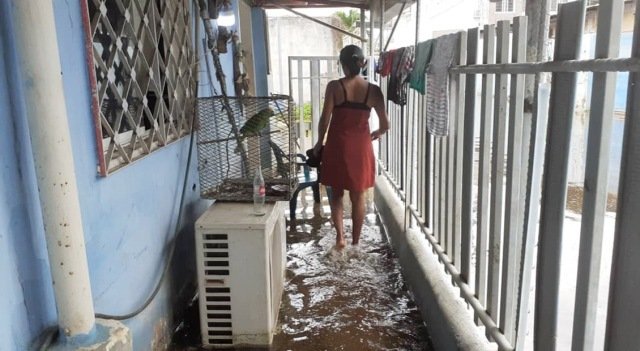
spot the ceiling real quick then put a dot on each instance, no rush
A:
(364, 4)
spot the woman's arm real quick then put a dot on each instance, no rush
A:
(381, 111)
(325, 117)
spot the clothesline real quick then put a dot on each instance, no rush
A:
(413, 65)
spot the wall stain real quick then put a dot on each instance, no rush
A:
(161, 336)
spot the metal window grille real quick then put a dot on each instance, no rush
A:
(142, 78)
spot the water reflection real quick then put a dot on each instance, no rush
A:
(354, 299)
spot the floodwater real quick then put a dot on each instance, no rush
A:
(354, 299)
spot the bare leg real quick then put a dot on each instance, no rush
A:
(337, 216)
(357, 214)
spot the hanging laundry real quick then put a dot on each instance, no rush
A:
(423, 57)
(385, 63)
(402, 67)
(438, 84)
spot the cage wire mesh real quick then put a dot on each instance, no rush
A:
(233, 140)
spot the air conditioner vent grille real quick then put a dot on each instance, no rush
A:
(217, 298)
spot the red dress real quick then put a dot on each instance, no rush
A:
(347, 157)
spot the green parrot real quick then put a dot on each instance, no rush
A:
(256, 123)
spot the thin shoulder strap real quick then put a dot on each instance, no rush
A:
(343, 89)
(366, 97)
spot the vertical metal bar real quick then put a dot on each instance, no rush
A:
(381, 37)
(427, 171)
(497, 174)
(445, 212)
(513, 217)
(393, 141)
(387, 140)
(534, 133)
(394, 151)
(624, 305)
(420, 161)
(303, 141)
(411, 153)
(417, 22)
(290, 76)
(595, 183)
(399, 146)
(567, 47)
(461, 59)
(436, 187)
(533, 205)
(403, 146)
(486, 126)
(362, 31)
(448, 186)
(315, 96)
(467, 156)
(429, 180)
(370, 38)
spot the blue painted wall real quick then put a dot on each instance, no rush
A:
(128, 217)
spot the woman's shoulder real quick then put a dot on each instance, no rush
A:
(333, 84)
(375, 88)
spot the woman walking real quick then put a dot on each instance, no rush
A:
(348, 162)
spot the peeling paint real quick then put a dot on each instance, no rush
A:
(161, 336)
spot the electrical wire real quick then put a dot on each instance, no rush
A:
(51, 334)
(172, 248)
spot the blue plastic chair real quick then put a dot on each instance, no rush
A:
(307, 178)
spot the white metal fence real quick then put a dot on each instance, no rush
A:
(516, 181)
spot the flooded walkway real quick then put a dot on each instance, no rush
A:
(354, 299)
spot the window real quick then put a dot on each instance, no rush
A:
(554, 4)
(504, 6)
(142, 76)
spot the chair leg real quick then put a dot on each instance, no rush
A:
(293, 203)
(316, 192)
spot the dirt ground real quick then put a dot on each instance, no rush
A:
(575, 195)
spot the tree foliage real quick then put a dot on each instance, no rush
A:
(349, 20)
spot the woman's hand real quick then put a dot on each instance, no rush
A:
(376, 134)
(316, 149)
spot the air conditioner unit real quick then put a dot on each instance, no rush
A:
(241, 265)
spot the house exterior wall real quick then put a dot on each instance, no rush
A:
(129, 217)
(297, 36)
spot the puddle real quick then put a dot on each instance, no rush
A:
(354, 299)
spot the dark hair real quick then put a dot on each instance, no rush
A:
(352, 58)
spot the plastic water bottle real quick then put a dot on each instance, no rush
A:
(259, 193)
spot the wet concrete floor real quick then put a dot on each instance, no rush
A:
(354, 299)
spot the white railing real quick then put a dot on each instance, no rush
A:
(520, 174)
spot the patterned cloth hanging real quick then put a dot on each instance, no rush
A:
(438, 84)
(402, 66)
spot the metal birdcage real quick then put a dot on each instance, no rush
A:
(236, 134)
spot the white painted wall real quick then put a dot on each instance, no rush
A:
(291, 35)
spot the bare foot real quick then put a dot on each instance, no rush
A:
(341, 244)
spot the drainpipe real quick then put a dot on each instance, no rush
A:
(39, 60)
